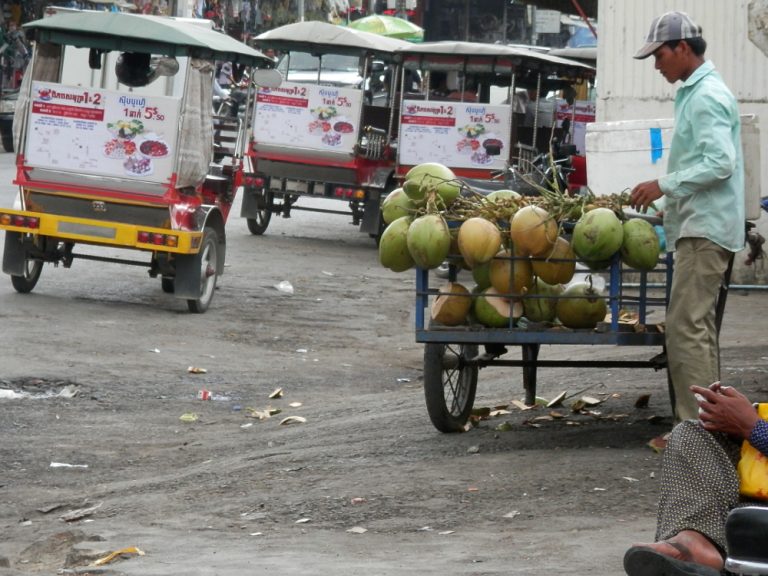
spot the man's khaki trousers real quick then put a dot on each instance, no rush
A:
(693, 354)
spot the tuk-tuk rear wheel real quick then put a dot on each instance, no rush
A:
(258, 225)
(450, 383)
(27, 282)
(207, 260)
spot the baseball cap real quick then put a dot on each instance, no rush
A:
(668, 26)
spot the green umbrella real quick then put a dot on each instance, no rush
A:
(389, 26)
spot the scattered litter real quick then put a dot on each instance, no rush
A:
(328, 273)
(285, 287)
(69, 391)
(599, 489)
(357, 500)
(499, 412)
(521, 405)
(277, 393)
(346, 365)
(473, 449)
(196, 370)
(65, 465)
(424, 529)
(357, 530)
(630, 479)
(268, 412)
(203, 394)
(446, 532)
(659, 443)
(49, 509)
(79, 513)
(256, 534)
(302, 520)
(189, 417)
(513, 514)
(505, 426)
(247, 425)
(116, 554)
(301, 350)
(642, 401)
(557, 400)
(403, 380)
(295, 404)
(155, 350)
(293, 420)
(473, 489)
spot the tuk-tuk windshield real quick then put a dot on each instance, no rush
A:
(331, 69)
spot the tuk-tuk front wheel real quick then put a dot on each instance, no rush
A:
(207, 264)
(450, 383)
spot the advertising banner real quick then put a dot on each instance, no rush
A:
(456, 134)
(308, 116)
(102, 132)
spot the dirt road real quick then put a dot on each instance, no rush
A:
(95, 457)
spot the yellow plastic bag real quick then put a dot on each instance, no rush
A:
(753, 467)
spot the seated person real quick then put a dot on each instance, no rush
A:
(461, 88)
(700, 486)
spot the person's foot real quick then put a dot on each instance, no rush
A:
(690, 546)
(687, 553)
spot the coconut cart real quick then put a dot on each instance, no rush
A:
(454, 354)
(489, 112)
(329, 131)
(115, 149)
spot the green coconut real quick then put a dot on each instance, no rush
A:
(533, 230)
(452, 305)
(540, 302)
(597, 236)
(581, 306)
(504, 196)
(393, 246)
(479, 240)
(558, 266)
(495, 311)
(481, 275)
(429, 241)
(510, 275)
(432, 176)
(395, 205)
(640, 248)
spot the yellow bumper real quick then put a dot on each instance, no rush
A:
(118, 234)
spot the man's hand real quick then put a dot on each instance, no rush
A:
(724, 409)
(644, 194)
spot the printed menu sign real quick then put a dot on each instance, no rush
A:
(457, 134)
(102, 132)
(308, 116)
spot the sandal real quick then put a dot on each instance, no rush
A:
(643, 561)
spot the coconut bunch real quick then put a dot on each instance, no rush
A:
(516, 248)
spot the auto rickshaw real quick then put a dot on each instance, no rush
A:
(115, 149)
(329, 130)
(488, 112)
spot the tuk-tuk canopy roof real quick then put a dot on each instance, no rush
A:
(148, 34)
(479, 57)
(322, 38)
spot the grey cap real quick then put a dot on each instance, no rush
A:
(669, 26)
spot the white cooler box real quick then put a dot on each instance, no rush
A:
(622, 154)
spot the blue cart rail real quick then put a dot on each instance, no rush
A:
(453, 355)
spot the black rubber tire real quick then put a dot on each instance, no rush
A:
(26, 283)
(168, 284)
(7, 138)
(207, 260)
(257, 226)
(450, 384)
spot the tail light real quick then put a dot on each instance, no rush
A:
(157, 239)
(19, 221)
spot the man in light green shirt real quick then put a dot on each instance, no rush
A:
(703, 200)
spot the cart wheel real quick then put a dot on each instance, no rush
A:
(27, 282)
(168, 284)
(207, 260)
(257, 226)
(449, 384)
